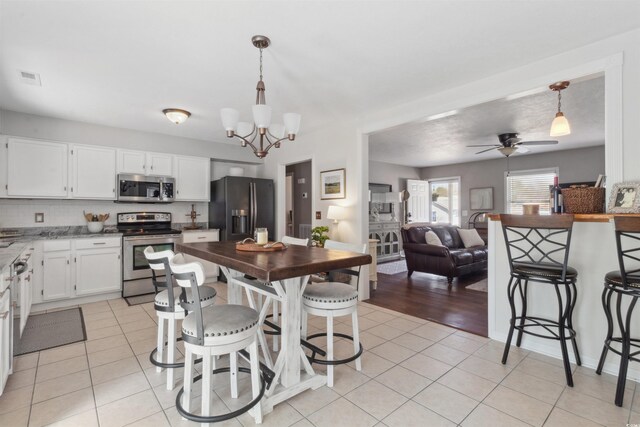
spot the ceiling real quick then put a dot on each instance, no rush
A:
(444, 141)
(121, 63)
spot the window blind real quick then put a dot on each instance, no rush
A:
(529, 187)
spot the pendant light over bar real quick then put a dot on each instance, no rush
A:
(260, 135)
(560, 125)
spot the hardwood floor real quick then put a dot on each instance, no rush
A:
(426, 296)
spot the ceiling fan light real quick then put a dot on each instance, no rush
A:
(176, 115)
(560, 125)
(507, 151)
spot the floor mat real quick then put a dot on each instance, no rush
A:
(140, 299)
(478, 286)
(49, 330)
(393, 267)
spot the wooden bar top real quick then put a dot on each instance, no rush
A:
(602, 217)
(295, 261)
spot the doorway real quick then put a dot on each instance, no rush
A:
(298, 197)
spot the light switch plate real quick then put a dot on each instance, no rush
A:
(318, 215)
(305, 195)
(301, 180)
(39, 217)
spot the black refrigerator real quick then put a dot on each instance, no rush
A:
(239, 205)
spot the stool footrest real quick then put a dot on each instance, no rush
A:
(314, 359)
(538, 322)
(275, 329)
(154, 362)
(223, 417)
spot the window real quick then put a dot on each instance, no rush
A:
(445, 201)
(529, 186)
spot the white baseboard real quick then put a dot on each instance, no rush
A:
(72, 302)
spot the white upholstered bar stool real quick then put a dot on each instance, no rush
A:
(167, 306)
(332, 299)
(275, 327)
(213, 331)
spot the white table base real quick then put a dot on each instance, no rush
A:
(289, 380)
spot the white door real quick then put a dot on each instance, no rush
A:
(97, 271)
(133, 162)
(57, 275)
(36, 168)
(418, 203)
(93, 171)
(192, 178)
(160, 164)
(445, 201)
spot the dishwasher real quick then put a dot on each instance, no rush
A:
(22, 293)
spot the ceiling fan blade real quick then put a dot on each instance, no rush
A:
(488, 149)
(538, 142)
(485, 145)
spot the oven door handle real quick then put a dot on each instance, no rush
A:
(156, 237)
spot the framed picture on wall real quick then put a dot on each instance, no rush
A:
(481, 199)
(333, 184)
(625, 198)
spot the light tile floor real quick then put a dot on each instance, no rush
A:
(415, 373)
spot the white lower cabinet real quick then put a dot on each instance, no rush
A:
(56, 270)
(81, 267)
(211, 270)
(6, 328)
(97, 267)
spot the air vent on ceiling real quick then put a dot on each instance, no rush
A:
(30, 78)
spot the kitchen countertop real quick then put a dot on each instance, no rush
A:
(601, 217)
(22, 237)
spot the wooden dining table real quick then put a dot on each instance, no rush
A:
(287, 272)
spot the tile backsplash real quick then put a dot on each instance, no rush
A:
(21, 212)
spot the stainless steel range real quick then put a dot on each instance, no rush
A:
(142, 229)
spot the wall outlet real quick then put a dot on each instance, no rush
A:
(39, 216)
(318, 215)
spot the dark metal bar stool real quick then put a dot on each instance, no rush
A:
(538, 251)
(625, 281)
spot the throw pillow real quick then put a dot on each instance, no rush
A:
(470, 237)
(432, 238)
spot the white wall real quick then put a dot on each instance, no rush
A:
(581, 165)
(32, 126)
(21, 212)
(220, 169)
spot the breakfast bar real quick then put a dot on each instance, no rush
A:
(592, 254)
(288, 272)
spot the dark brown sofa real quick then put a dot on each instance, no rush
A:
(451, 260)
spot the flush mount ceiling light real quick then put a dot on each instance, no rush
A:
(270, 135)
(176, 115)
(560, 125)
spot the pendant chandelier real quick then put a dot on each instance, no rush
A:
(260, 135)
(560, 125)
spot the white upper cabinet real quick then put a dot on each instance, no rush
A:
(192, 178)
(133, 162)
(93, 172)
(160, 164)
(143, 163)
(36, 168)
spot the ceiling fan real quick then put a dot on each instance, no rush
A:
(510, 143)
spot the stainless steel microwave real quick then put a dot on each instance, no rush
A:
(145, 189)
